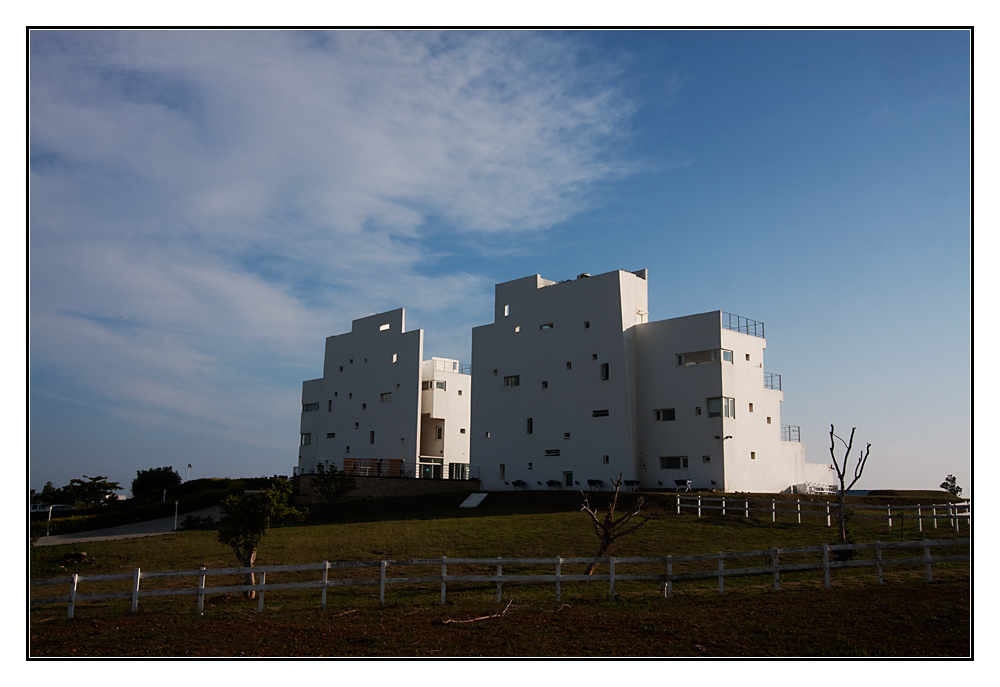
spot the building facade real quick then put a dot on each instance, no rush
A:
(381, 410)
(573, 386)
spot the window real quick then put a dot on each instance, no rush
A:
(697, 410)
(569, 366)
(371, 437)
(351, 361)
(494, 373)
(506, 310)
(357, 425)
(335, 394)
(394, 356)
(513, 380)
(329, 404)
(545, 326)
(364, 406)
(753, 455)
(503, 470)
(664, 414)
(341, 368)
(586, 324)
(768, 420)
(424, 386)
(722, 407)
(462, 430)
(517, 329)
(331, 435)
(551, 452)
(751, 407)
(565, 435)
(530, 425)
(383, 327)
(440, 385)
(350, 396)
(594, 356)
(600, 413)
(530, 466)
(607, 459)
(459, 392)
(680, 360)
(605, 372)
(702, 357)
(673, 462)
(306, 439)
(706, 459)
(385, 398)
(545, 385)
(487, 435)
(347, 450)
(748, 357)
(727, 356)
(438, 432)
(308, 407)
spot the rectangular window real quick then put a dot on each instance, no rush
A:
(673, 462)
(494, 373)
(530, 466)
(357, 425)
(383, 327)
(530, 425)
(607, 459)
(664, 414)
(586, 324)
(751, 407)
(600, 413)
(545, 385)
(459, 392)
(425, 386)
(594, 357)
(748, 357)
(309, 407)
(753, 455)
(503, 470)
(768, 420)
(513, 380)
(440, 385)
(545, 326)
(371, 437)
(569, 366)
(727, 356)
(394, 357)
(680, 360)
(306, 439)
(364, 406)
(439, 431)
(551, 452)
(565, 435)
(706, 459)
(487, 435)
(462, 430)
(385, 398)
(506, 310)
(347, 450)
(697, 410)
(701, 357)
(341, 368)
(331, 435)
(605, 373)
(722, 407)
(517, 329)
(329, 404)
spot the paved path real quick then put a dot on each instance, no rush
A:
(150, 528)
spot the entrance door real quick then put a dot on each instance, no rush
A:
(568, 479)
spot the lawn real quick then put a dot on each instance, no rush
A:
(903, 617)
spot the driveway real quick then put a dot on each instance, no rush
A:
(150, 528)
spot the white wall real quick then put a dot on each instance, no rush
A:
(358, 368)
(450, 408)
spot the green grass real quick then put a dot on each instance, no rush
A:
(856, 617)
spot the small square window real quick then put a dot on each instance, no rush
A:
(351, 361)
(385, 398)
(341, 368)
(425, 386)
(438, 432)
(331, 435)
(665, 414)
(751, 407)
(607, 459)
(383, 327)
(335, 394)
(586, 324)
(487, 435)
(697, 411)
(459, 392)
(565, 435)
(506, 310)
(530, 426)
(595, 356)
(503, 470)
(441, 385)
(364, 406)
(748, 357)
(680, 360)
(569, 366)
(706, 459)
(350, 396)
(530, 466)
(517, 329)
(462, 430)
(605, 372)
(727, 356)
(768, 420)
(545, 385)
(357, 425)
(394, 357)
(371, 437)
(513, 380)
(753, 455)
(494, 373)
(347, 450)
(306, 440)
(547, 325)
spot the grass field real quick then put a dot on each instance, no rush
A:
(903, 617)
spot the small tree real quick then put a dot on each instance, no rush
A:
(859, 468)
(155, 479)
(246, 520)
(91, 491)
(331, 485)
(608, 529)
(950, 485)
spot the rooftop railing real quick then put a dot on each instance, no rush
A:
(790, 433)
(744, 325)
(772, 381)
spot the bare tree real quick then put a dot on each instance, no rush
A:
(859, 468)
(610, 530)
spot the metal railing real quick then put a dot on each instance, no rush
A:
(772, 381)
(790, 433)
(441, 365)
(744, 325)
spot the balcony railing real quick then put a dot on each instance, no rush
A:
(790, 433)
(772, 381)
(744, 325)
(452, 366)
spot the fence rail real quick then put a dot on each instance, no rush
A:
(952, 512)
(665, 574)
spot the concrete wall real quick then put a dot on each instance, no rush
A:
(378, 356)
(389, 487)
(449, 408)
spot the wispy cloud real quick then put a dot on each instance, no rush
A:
(207, 206)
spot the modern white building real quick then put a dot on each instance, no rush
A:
(381, 410)
(572, 386)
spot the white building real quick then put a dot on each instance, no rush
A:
(380, 409)
(573, 386)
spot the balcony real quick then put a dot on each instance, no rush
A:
(790, 433)
(744, 325)
(772, 381)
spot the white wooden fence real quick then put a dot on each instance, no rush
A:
(666, 563)
(952, 512)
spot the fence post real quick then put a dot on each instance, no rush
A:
(888, 515)
(444, 585)
(722, 566)
(326, 579)
(668, 588)
(878, 560)
(201, 591)
(826, 566)
(723, 505)
(934, 515)
(798, 509)
(611, 579)
(699, 505)
(774, 507)
(500, 585)
(559, 579)
(678, 504)
(746, 508)
(956, 518)
(381, 585)
(135, 589)
(72, 595)
(774, 564)
(927, 565)
(260, 593)
(920, 519)
(827, 513)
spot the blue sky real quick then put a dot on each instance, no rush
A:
(206, 207)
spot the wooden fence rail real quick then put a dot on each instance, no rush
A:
(953, 512)
(665, 578)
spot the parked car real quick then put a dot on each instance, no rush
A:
(44, 507)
